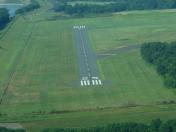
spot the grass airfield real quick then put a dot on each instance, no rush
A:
(39, 69)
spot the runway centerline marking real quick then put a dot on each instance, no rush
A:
(89, 73)
(83, 47)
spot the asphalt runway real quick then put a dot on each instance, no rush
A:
(88, 69)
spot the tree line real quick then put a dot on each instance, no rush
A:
(118, 5)
(155, 126)
(30, 7)
(88, 8)
(4, 129)
(163, 57)
(4, 17)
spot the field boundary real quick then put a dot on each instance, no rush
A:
(15, 64)
(158, 107)
(56, 115)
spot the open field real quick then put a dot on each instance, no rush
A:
(39, 70)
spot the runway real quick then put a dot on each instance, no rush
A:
(87, 61)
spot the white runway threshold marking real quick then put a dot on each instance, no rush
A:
(99, 82)
(79, 27)
(88, 83)
(82, 83)
(85, 83)
(94, 81)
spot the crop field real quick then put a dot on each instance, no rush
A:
(40, 70)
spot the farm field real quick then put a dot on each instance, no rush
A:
(39, 70)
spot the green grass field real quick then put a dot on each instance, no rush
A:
(39, 70)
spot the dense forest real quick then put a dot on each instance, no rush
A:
(155, 126)
(3, 129)
(4, 17)
(32, 6)
(117, 5)
(163, 56)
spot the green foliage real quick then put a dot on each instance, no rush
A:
(32, 6)
(89, 8)
(169, 126)
(118, 5)
(155, 126)
(163, 56)
(4, 17)
(4, 129)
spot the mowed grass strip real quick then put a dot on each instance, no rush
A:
(134, 82)
(47, 67)
(11, 49)
(136, 27)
